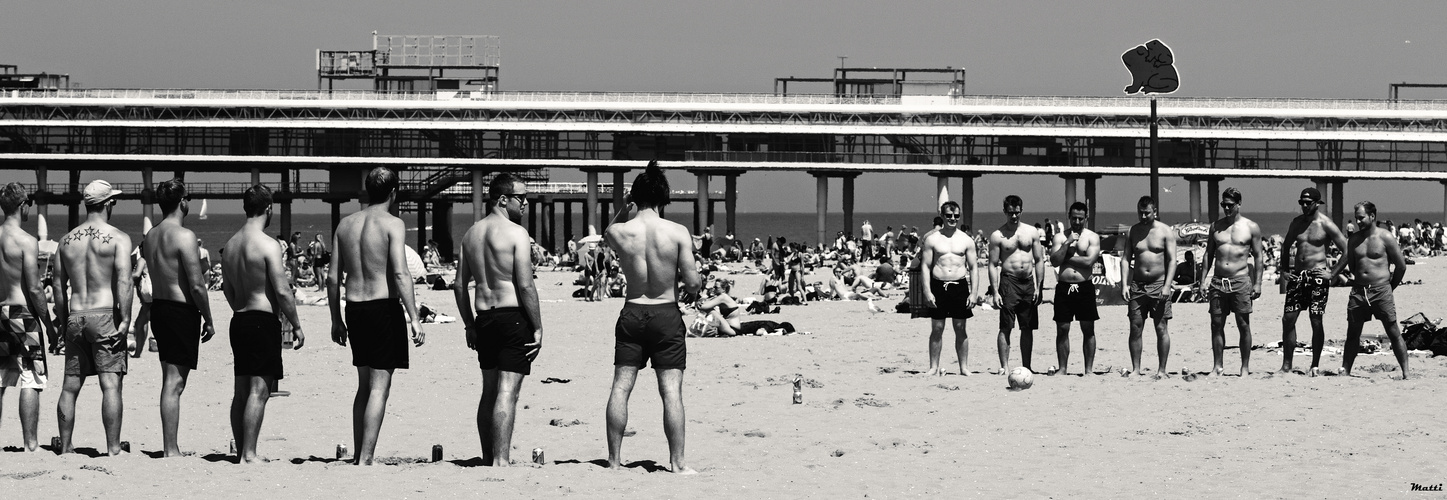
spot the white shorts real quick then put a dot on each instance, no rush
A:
(15, 373)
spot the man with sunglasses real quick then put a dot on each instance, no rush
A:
(1308, 276)
(507, 331)
(180, 317)
(1017, 273)
(948, 257)
(1074, 253)
(1233, 255)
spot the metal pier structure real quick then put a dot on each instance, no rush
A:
(462, 136)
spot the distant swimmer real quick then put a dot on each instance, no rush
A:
(1074, 252)
(1017, 270)
(1234, 279)
(256, 289)
(22, 313)
(1148, 264)
(949, 286)
(656, 255)
(1307, 271)
(371, 263)
(180, 307)
(93, 301)
(507, 331)
(1377, 267)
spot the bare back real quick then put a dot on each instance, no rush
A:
(247, 266)
(653, 252)
(15, 245)
(364, 253)
(95, 265)
(492, 250)
(168, 250)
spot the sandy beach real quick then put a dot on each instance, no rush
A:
(871, 424)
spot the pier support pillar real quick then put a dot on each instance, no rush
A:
(731, 202)
(286, 228)
(421, 227)
(1213, 198)
(567, 220)
(590, 207)
(1195, 208)
(42, 196)
(336, 217)
(1090, 202)
(1069, 191)
(942, 190)
(532, 216)
(479, 193)
(550, 215)
(148, 190)
(1338, 205)
(847, 199)
(821, 205)
(256, 178)
(74, 206)
(604, 215)
(701, 207)
(967, 201)
(618, 191)
(442, 230)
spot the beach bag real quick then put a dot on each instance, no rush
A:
(702, 326)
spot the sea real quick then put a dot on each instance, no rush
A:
(216, 229)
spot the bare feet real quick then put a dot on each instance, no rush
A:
(1313, 372)
(1053, 371)
(999, 371)
(934, 372)
(1244, 372)
(1217, 371)
(1160, 375)
(683, 471)
(964, 371)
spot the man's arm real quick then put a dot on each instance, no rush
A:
(994, 261)
(60, 289)
(1127, 256)
(1170, 258)
(1210, 267)
(1397, 261)
(34, 293)
(1257, 254)
(927, 264)
(1283, 266)
(527, 293)
(190, 255)
(686, 264)
(462, 295)
(1337, 238)
(285, 298)
(124, 287)
(970, 266)
(402, 277)
(1059, 250)
(334, 293)
(1092, 252)
(1039, 255)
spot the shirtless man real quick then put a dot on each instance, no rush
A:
(1074, 253)
(371, 262)
(93, 301)
(1370, 252)
(254, 282)
(1148, 264)
(656, 255)
(1017, 272)
(949, 290)
(22, 312)
(1235, 249)
(507, 332)
(180, 309)
(1308, 276)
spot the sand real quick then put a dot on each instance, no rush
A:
(871, 424)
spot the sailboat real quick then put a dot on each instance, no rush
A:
(202, 215)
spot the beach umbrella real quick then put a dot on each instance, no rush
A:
(1192, 232)
(415, 267)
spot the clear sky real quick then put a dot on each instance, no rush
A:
(1224, 48)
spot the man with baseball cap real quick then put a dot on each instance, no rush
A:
(93, 301)
(1308, 275)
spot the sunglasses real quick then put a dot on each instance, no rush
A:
(952, 216)
(1227, 204)
(1306, 203)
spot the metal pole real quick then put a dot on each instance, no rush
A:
(1155, 169)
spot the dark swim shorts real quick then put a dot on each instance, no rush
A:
(377, 331)
(650, 333)
(176, 326)
(1019, 297)
(503, 334)
(1075, 302)
(1364, 302)
(1307, 290)
(256, 344)
(1231, 295)
(952, 297)
(94, 343)
(1148, 300)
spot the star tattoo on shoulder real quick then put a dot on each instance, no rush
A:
(106, 238)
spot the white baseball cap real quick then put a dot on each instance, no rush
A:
(98, 192)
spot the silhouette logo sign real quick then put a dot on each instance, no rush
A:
(1152, 69)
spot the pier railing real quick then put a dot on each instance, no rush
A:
(1132, 103)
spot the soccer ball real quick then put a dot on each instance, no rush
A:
(1021, 378)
